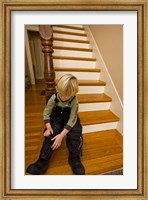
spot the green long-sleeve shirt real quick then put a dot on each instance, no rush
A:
(73, 114)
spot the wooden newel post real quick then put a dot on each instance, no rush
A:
(46, 35)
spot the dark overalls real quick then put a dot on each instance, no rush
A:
(58, 119)
(74, 141)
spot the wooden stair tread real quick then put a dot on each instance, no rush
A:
(97, 117)
(70, 27)
(70, 33)
(91, 83)
(70, 40)
(77, 69)
(73, 58)
(92, 98)
(72, 48)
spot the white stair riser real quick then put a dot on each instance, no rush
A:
(80, 75)
(83, 54)
(71, 44)
(74, 63)
(99, 127)
(68, 30)
(94, 106)
(91, 89)
(68, 36)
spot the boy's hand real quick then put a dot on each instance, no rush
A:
(49, 130)
(57, 141)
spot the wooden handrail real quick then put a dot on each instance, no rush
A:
(46, 36)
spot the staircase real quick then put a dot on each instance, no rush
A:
(72, 54)
(102, 141)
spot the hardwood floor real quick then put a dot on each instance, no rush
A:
(102, 151)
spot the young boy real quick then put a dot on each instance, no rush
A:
(61, 119)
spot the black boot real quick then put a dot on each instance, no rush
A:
(41, 165)
(77, 166)
(37, 168)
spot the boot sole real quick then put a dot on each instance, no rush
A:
(74, 171)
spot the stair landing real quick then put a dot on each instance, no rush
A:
(102, 153)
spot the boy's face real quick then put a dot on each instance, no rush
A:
(64, 97)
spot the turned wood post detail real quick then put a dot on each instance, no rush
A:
(46, 35)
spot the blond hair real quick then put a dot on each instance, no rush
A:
(68, 85)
